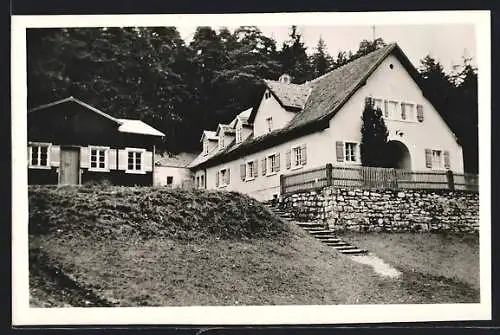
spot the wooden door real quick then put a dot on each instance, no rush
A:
(69, 168)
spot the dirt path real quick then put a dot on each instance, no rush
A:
(379, 266)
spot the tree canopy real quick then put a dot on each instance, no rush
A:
(150, 73)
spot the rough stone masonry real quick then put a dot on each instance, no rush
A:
(360, 210)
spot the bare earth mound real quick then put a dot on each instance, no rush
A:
(118, 246)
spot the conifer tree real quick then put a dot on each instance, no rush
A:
(374, 135)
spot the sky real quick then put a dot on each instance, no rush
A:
(447, 43)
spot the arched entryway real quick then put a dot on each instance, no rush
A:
(398, 155)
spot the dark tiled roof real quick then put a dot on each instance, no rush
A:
(325, 96)
(289, 95)
(331, 90)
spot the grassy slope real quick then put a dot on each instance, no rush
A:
(450, 256)
(245, 256)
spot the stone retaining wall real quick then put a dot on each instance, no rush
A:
(388, 210)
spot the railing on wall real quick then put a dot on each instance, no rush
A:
(376, 178)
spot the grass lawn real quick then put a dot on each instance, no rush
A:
(441, 255)
(160, 248)
(163, 272)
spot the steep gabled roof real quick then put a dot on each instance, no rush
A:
(201, 158)
(211, 135)
(124, 125)
(244, 116)
(227, 129)
(291, 97)
(332, 90)
(326, 96)
(75, 100)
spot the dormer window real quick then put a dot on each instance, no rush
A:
(269, 124)
(221, 140)
(285, 79)
(239, 136)
(205, 147)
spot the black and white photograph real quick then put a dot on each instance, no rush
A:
(233, 168)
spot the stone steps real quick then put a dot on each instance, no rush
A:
(318, 231)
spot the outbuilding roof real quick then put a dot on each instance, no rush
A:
(138, 127)
(124, 125)
(180, 160)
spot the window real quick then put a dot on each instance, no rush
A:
(221, 140)
(250, 170)
(197, 183)
(297, 156)
(378, 104)
(393, 109)
(351, 149)
(267, 95)
(202, 181)
(135, 162)
(407, 111)
(272, 163)
(98, 158)
(437, 159)
(39, 155)
(205, 147)
(269, 123)
(222, 178)
(238, 135)
(170, 180)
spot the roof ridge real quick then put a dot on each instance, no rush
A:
(389, 46)
(279, 82)
(78, 101)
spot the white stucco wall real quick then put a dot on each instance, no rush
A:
(396, 84)
(270, 108)
(392, 84)
(179, 175)
(263, 187)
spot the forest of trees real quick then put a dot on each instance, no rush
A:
(153, 75)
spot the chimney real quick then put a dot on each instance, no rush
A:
(285, 79)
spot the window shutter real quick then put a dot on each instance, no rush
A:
(112, 159)
(288, 159)
(84, 157)
(303, 155)
(340, 151)
(386, 108)
(55, 154)
(255, 168)
(264, 167)
(277, 169)
(217, 179)
(147, 157)
(446, 159)
(242, 171)
(228, 176)
(428, 158)
(368, 101)
(420, 113)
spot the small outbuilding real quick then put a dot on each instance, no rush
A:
(72, 143)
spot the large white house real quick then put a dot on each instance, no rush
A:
(309, 125)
